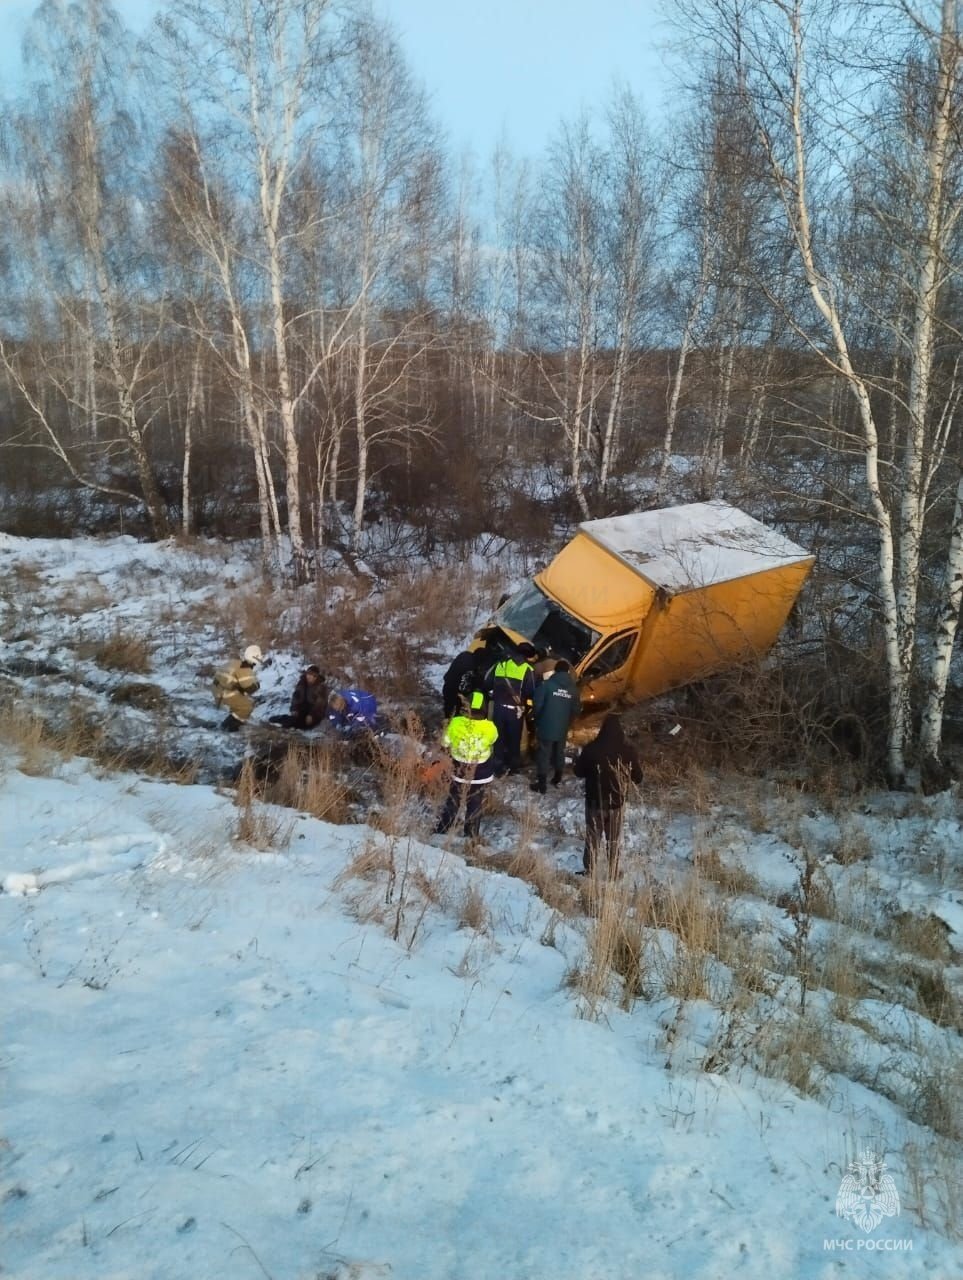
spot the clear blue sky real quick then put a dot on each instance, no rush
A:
(491, 66)
(522, 65)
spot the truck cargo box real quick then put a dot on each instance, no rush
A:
(642, 603)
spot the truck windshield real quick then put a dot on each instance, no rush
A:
(543, 621)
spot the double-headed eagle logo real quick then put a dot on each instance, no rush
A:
(867, 1194)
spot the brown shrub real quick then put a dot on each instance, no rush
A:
(140, 694)
(925, 935)
(119, 650)
(823, 717)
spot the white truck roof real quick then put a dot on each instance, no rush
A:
(696, 545)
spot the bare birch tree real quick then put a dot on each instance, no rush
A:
(786, 56)
(389, 175)
(262, 79)
(569, 254)
(630, 226)
(78, 216)
(207, 238)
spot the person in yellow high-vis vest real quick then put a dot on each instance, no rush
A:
(470, 739)
(511, 684)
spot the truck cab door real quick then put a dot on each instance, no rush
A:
(603, 675)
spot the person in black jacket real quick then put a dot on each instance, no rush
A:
(467, 675)
(609, 765)
(457, 678)
(511, 686)
(309, 702)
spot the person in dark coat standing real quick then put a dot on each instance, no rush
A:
(511, 686)
(464, 677)
(556, 704)
(457, 677)
(609, 766)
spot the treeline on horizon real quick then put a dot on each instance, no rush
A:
(247, 290)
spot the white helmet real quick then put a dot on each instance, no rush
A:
(253, 655)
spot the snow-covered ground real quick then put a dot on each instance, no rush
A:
(356, 1055)
(213, 1067)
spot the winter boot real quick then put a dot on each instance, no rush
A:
(231, 724)
(556, 779)
(539, 786)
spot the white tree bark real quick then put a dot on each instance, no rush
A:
(947, 622)
(778, 68)
(193, 405)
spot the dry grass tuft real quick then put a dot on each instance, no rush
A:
(406, 780)
(27, 736)
(924, 935)
(731, 878)
(616, 950)
(257, 824)
(934, 997)
(118, 651)
(27, 576)
(140, 694)
(932, 1168)
(682, 960)
(429, 886)
(472, 909)
(797, 1051)
(398, 891)
(372, 860)
(937, 1101)
(529, 865)
(853, 844)
(43, 746)
(81, 597)
(838, 970)
(308, 781)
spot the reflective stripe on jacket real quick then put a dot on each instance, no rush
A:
(513, 683)
(470, 743)
(238, 676)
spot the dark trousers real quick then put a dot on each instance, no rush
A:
(507, 752)
(549, 755)
(602, 827)
(294, 722)
(472, 795)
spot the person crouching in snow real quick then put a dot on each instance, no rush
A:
(234, 686)
(470, 738)
(351, 710)
(309, 702)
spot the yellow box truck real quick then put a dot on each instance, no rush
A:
(644, 602)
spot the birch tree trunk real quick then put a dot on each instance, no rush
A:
(193, 402)
(768, 49)
(947, 622)
(932, 276)
(361, 434)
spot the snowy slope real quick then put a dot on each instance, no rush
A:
(215, 1065)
